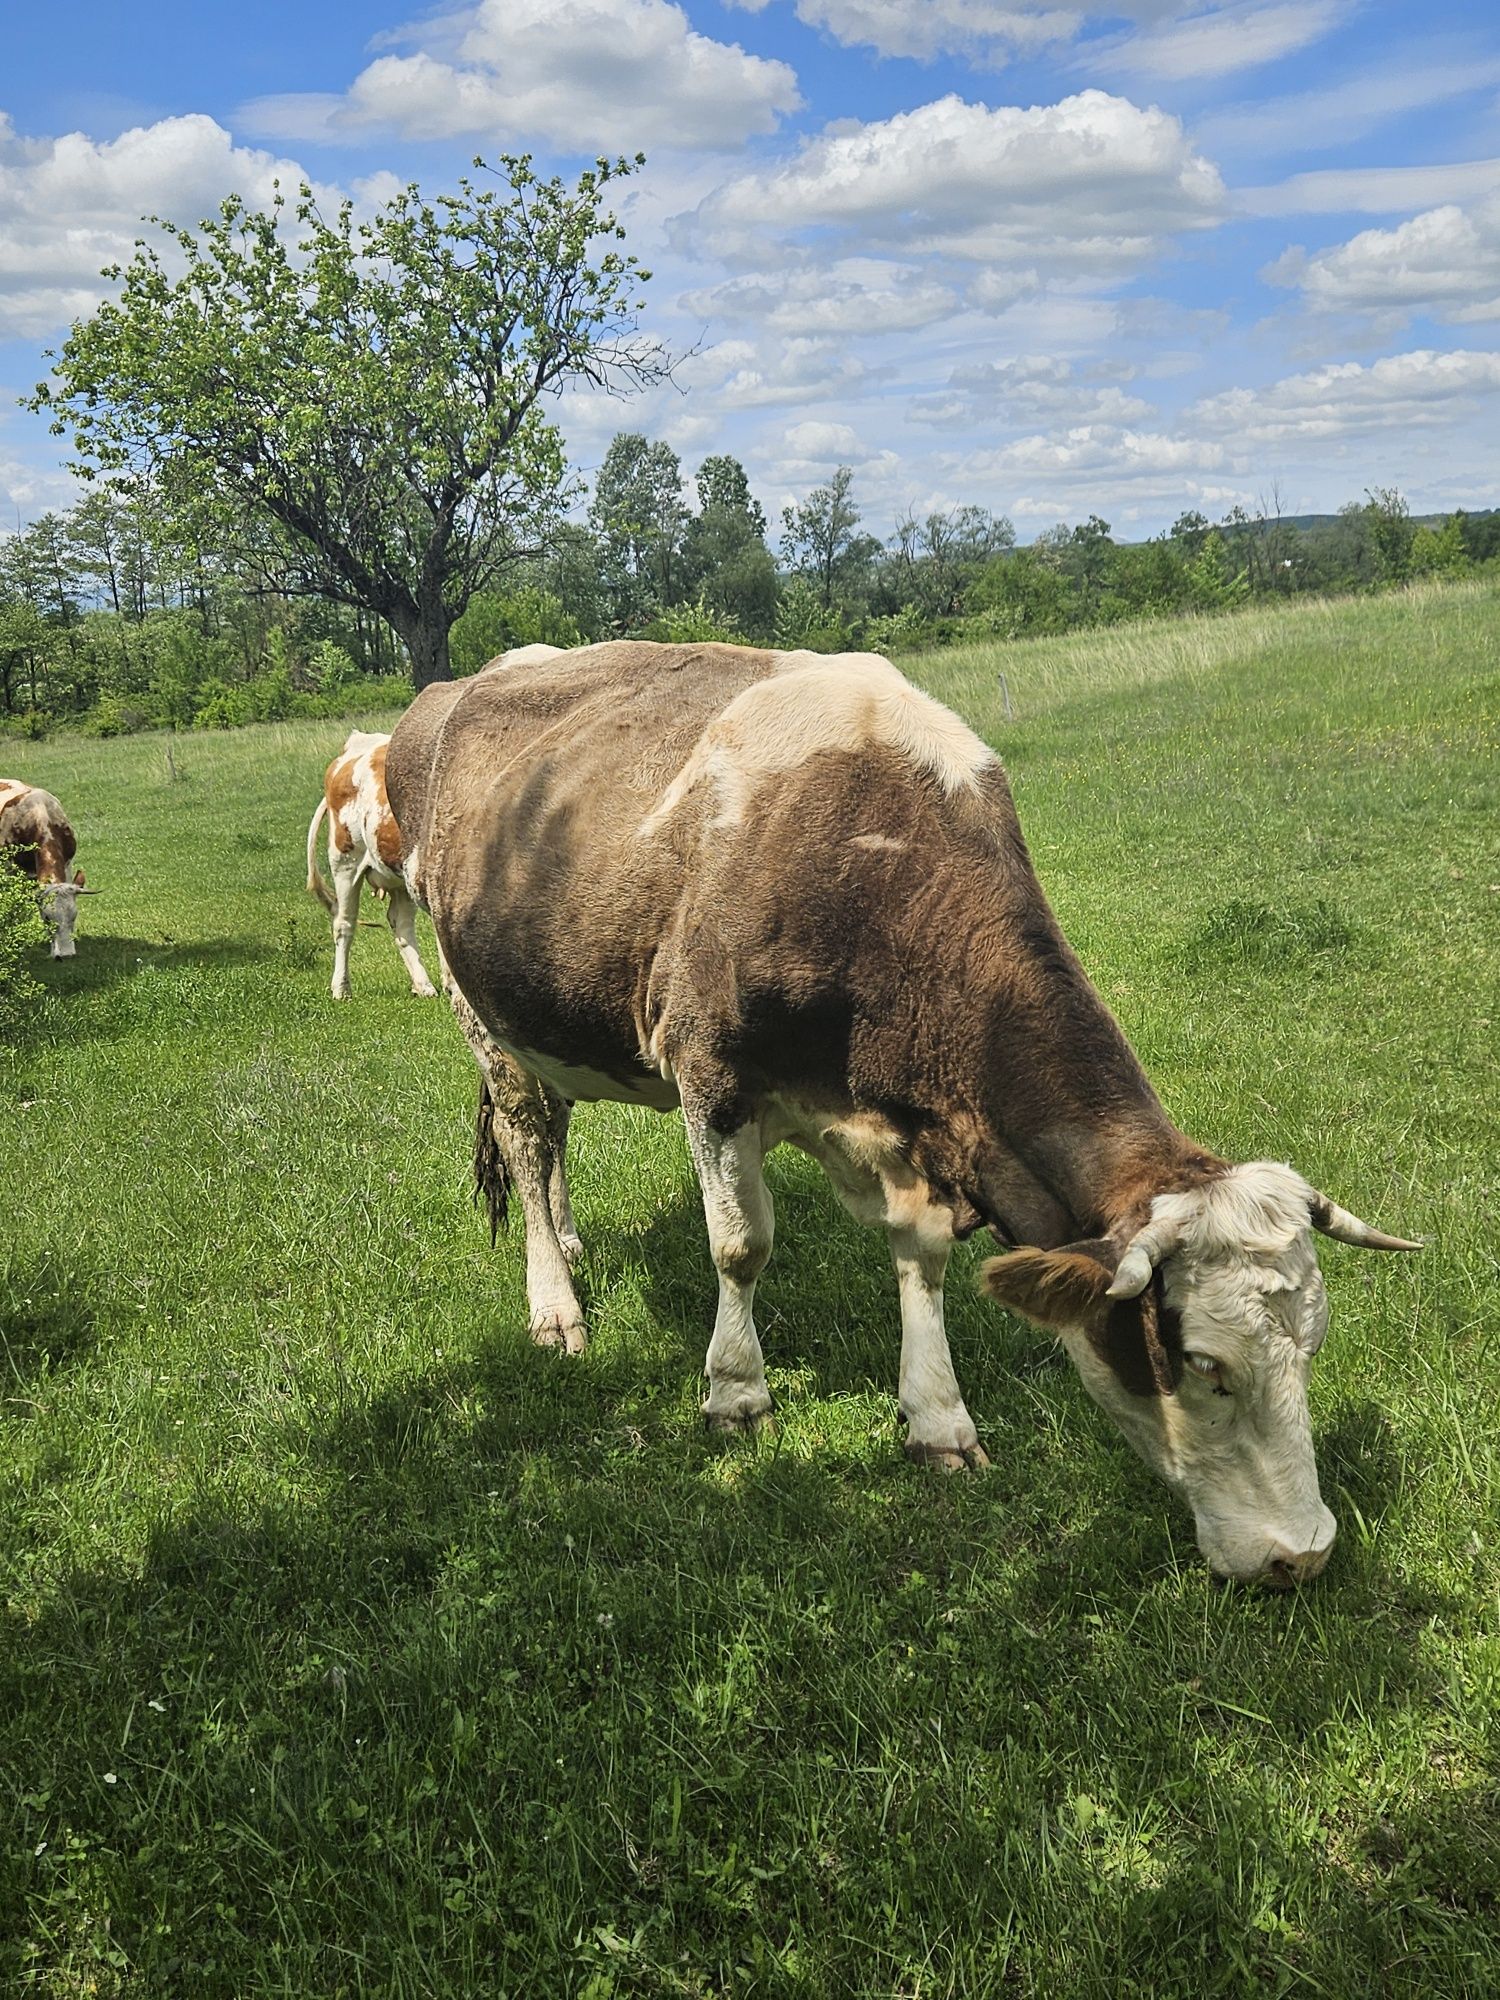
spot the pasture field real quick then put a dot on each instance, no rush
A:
(351, 1646)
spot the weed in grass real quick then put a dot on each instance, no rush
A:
(1245, 932)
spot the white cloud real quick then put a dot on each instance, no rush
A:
(1086, 188)
(580, 74)
(1345, 399)
(748, 375)
(69, 206)
(1371, 190)
(850, 295)
(990, 30)
(1354, 106)
(1032, 388)
(1216, 41)
(1445, 262)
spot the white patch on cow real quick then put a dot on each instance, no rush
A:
(878, 843)
(591, 1086)
(520, 656)
(816, 704)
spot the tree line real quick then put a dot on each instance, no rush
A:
(111, 619)
(320, 471)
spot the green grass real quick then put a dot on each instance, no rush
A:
(352, 1646)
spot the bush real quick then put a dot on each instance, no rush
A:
(903, 631)
(692, 624)
(804, 623)
(21, 932)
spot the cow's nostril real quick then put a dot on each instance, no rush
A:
(1281, 1575)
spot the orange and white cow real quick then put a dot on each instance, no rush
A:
(35, 833)
(363, 841)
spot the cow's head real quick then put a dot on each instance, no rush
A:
(1197, 1337)
(60, 909)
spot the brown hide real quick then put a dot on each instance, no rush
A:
(35, 830)
(862, 937)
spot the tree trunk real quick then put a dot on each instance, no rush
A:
(427, 648)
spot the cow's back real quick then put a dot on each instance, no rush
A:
(626, 838)
(36, 829)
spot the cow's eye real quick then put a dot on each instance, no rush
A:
(1206, 1366)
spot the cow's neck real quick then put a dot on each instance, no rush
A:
(1078, 1140)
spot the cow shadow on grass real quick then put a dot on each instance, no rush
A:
(506, 1674)
(102, 962)
(826, 1305)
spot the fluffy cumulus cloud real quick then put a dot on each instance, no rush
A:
(70, 206)
(849, 295)
(578, 74)
(750, 375)
(1402, 392)
(1444, 262)
(1086, 188)
(1030, 389)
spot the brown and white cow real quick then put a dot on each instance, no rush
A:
(363, 842)
(34, 831)
(790, 893)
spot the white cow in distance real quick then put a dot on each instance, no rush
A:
(363, 841)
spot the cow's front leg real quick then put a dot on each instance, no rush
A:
(939, 1429)
(741, 1224)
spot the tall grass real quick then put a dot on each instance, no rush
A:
(352, 1646)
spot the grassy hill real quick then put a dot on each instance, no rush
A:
(352, 1646)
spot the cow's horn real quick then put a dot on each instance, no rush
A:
(1331, 1220)
(1143, 1253)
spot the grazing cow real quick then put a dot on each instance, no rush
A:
(790, 893)
(363, 840)
(34, 831)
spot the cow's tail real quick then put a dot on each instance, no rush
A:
(316, 886)
(491, 1177)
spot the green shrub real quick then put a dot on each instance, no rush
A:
(804, 623)
(692, 624)
(21, 932)
(903, 631)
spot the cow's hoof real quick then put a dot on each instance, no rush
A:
(946, 1458)
(740, 1423)
(341, 992)
(572, 1249)
(547, 1330)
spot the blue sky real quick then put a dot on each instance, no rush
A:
(1052, 258)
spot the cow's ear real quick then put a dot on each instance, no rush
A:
(1055, 1288)
(77, 878)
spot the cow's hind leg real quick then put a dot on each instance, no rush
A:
(401, 912)
(741, 1223)
(518, 1144)
(345, 870)
(559, 1113)
(520, 1131)
(939, 1429)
